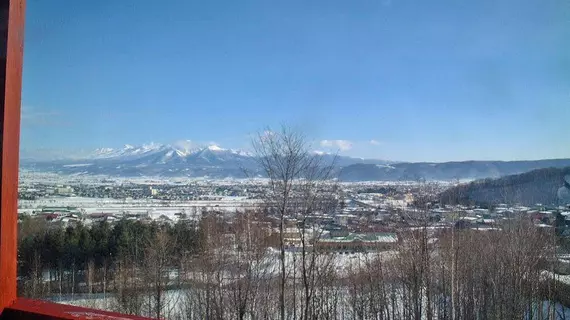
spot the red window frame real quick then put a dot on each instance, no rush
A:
(11, 55)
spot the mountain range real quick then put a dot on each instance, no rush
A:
(179, 159)
(185, 158)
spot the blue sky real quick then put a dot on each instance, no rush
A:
(408, 80)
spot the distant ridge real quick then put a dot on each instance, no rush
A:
(446, 171)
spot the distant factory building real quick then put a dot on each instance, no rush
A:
(359, 242)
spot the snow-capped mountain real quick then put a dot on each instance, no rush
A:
(182, 158)
(130, 151)
(164, 153)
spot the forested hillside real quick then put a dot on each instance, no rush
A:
(445, 170)
(537, 186)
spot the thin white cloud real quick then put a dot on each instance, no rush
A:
(375, 142)
(342, 145)
(186, 145)
(266, 135)
(30, 112)
(33, 117)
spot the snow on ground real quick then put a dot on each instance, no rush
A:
(176, 299)
(154, 207)
(176, 304)
(564, 278)
(342, 262)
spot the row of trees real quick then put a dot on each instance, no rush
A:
(229, 271)
(59, 252)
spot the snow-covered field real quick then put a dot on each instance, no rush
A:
(29, 177)
(154, 207)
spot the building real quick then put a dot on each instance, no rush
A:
(64, 191)
(359, 242)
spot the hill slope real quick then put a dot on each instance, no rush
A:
(445, 171)
(549, 186)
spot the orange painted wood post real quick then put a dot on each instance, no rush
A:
(11, 55)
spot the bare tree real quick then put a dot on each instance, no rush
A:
(157, 262)
(247, 267)
(299, 185)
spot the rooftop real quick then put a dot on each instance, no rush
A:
(365, 237)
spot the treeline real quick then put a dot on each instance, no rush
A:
(132, 265)
(220, 270)
(80, 259)
(537, 186)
